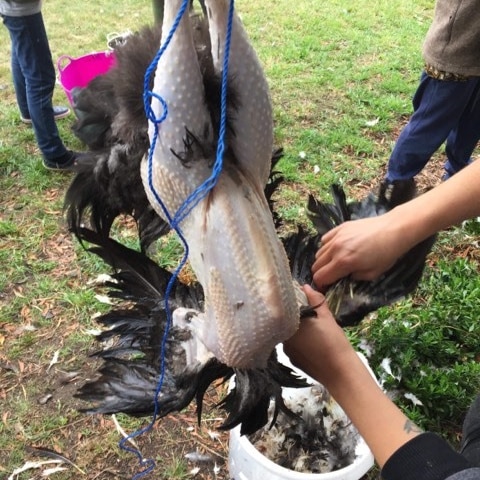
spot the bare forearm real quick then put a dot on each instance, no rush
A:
(448, 204)
(321, 349)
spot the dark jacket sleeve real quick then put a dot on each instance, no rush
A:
(426, 457)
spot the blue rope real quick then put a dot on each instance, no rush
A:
(201, 192)
(190, 202)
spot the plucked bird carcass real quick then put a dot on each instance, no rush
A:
(245, 298)
(250, 302)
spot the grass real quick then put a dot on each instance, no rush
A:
(342, 75)
(432, 342)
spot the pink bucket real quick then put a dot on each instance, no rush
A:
(79, 72)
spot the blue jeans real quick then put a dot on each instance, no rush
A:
(443, 111)
(34, 80)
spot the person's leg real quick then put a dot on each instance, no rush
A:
(438, 106)
(19, 85)
(32, 52)
(463, 139)
(470, 446)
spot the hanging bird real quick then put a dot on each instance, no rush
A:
(129, 377)
(246, 298)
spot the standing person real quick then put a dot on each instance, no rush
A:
(34, 80)
(402, 450)
(447, 101)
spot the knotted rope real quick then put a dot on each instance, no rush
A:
(185, 209)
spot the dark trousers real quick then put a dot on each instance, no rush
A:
(443, 111)
(34, 80)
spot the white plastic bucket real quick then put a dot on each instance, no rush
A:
(245, 462)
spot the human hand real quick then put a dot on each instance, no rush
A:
(320, 347)
(362, 248)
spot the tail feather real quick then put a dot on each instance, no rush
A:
(124, 386)
(300, 248)
(140, 278)
(274, 180)
(325, 216)
(247, 404)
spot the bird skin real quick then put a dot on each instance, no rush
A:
(250, 303)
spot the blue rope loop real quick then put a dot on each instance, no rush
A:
(185, 209)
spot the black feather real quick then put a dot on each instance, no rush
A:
(247, 404)
(300, 248)
(351, 300)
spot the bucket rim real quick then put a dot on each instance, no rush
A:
(71, 60)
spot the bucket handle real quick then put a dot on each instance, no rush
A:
(61, 59)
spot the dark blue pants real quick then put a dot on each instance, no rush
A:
(443, 111)
(34, 80)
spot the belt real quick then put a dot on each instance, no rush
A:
(434, 72)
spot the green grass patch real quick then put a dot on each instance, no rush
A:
(432, 345)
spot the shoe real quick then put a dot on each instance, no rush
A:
(447, 175)
(58, 113)
(470, 446)
(66, 163)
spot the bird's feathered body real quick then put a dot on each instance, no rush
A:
(245, 299)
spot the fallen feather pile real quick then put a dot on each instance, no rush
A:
(322, 439)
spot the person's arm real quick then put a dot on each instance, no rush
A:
(366, 248)
(321, 349)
